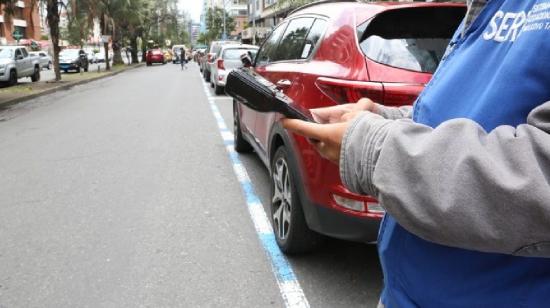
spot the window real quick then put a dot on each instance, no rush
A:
(413, 39)
(18, 53)
(235, 53)
(293, 41)
(269, 48)
(313, 37)
(25, 53)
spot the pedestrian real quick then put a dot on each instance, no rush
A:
(183, 61)
(464, 174)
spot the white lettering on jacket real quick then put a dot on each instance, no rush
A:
(505, 27)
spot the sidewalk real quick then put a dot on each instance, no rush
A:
(26, 91)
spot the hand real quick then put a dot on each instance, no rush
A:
(342, 113)
(326, 138)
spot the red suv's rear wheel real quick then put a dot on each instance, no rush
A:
(289, 224)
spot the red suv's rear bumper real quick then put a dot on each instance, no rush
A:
(334, 223)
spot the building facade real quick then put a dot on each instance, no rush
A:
(24, 21)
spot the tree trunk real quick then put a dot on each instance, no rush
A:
(117, 48)
(53, 21)
(143, 50)
(107, 60)
(134, 46)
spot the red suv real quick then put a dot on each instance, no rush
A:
(333, 53)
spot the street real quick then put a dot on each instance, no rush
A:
(120, 193)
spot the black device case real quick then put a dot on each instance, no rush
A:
(261, 95)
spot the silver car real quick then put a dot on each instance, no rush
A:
(227, 59)
(45, 59)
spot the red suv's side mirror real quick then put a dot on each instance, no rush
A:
(246, 60)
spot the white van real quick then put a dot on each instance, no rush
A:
(176, 51)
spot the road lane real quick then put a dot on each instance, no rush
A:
(119, 193)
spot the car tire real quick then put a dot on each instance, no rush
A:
(13, 78)
(292, 234)
(240, 144)
(36, 75)
(219, 90)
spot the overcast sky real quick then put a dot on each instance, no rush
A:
(192, 7)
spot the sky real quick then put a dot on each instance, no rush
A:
(192, 7)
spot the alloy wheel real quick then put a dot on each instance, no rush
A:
(282, 199)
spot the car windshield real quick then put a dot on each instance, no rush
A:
(6, 53)
(235, 54)
(69, 53)
(413, 39)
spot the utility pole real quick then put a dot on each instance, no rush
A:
(253, 22)
(224, 35)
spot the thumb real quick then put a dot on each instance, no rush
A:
(307, 129)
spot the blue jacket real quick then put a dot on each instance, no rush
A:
(495, 75)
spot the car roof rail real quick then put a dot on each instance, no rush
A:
(320, 2)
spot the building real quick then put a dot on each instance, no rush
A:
(238, 10)
(263, 15)
(25, 21)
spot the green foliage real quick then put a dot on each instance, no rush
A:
(214, 24)
(291, 4)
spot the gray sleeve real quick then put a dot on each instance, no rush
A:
(394, 113)
(457, 184)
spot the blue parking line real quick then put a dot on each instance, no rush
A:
(291, 291)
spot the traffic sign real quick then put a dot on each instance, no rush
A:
(17, 35)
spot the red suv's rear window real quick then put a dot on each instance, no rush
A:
(412, 38)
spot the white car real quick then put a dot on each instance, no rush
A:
(227, 59)
(45, 59)
(99, 57)
(91, 56)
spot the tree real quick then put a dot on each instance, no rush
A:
(214, 23)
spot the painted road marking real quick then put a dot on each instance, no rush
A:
(291, 291)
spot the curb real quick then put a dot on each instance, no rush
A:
(63, 87)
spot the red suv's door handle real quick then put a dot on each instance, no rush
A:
(283, 83)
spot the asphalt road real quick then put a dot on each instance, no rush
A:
(120, 193)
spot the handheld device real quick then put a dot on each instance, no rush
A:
(261, 95)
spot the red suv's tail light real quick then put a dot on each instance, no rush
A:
(349, 91)
(398, 94)
(220, 64)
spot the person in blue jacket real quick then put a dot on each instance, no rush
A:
(464, 175)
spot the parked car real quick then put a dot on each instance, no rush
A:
(176, 51)
(91, 56)
(99, 57)
(73, 59)
(213, 49)
(168, 56)
(155, 56)
(45, 59)
(16, 62)
(227, 59)
(325, 54)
